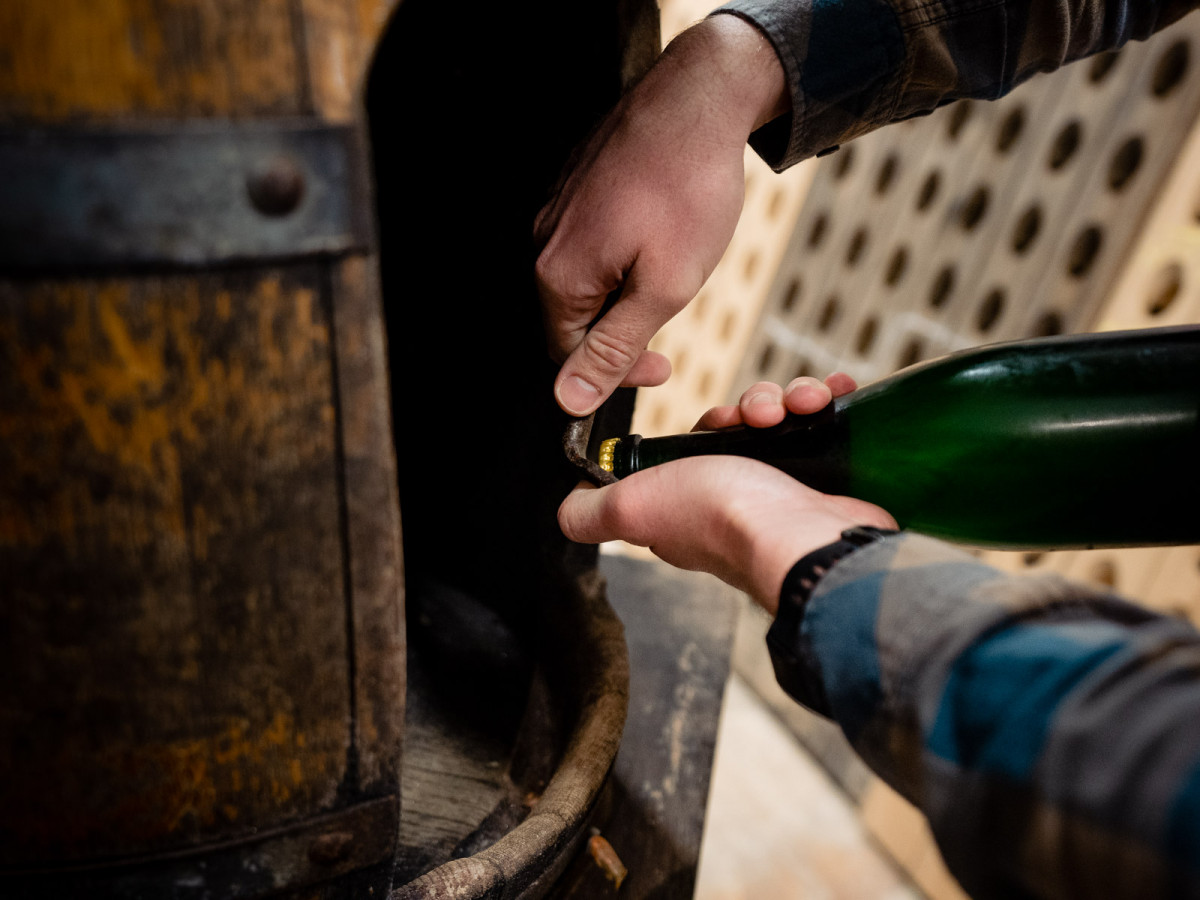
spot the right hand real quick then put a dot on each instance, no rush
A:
(765, 404)
(650, 206)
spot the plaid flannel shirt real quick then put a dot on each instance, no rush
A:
(1050, 733)
(853, 65)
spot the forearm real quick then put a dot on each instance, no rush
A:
(1050, 734)
(854, 65)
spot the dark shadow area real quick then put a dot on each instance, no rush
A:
(473, 109)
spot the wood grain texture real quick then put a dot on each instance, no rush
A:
(679, 627)
(376, 571)
(70, 60)
(200, 576)
(339, 40)
(777, 826)
(559, 764)
(170, 555)
(66, 61)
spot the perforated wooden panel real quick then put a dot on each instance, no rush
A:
(981, 222)
(997, 221)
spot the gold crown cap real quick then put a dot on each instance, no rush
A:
(606, 454)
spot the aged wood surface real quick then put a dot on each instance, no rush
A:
(69, 60)
(171, 561)
(679, 627)
(469, 678)
(200, 580)
(510, 823)
(372, 514)
(778, 827)
(339, 40)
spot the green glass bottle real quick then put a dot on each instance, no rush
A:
(1065, 442)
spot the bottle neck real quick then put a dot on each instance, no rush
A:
(625, 456)
(810, 448)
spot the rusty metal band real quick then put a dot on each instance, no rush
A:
(182, 194)
(359, 839)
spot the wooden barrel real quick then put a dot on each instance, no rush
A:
(209, 673)
(202, 686)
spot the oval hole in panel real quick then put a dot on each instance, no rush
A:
(1084, 251)
(1164, 289)
(1172, 67)
(1065, 145)
(1027, 229)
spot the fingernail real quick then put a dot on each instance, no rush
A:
(755, 399)
(576, 396)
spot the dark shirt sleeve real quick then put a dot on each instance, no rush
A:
(1050, 733)
(854, 65)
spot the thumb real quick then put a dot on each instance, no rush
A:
(613, 352)
(580, 515)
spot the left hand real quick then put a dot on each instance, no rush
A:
(739, 519)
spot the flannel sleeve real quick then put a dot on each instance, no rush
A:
(1051, 734)
(853, 65)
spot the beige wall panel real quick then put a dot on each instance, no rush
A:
(1176, 584)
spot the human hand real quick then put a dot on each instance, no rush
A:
(739, 519)
(765, 404)
(650, 206)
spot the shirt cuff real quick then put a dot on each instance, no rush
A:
(844, 64)
(796, 669)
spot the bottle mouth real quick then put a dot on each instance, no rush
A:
(606, 454)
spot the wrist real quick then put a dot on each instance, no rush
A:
(775, 553)
(775, 556)
(732, 61)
